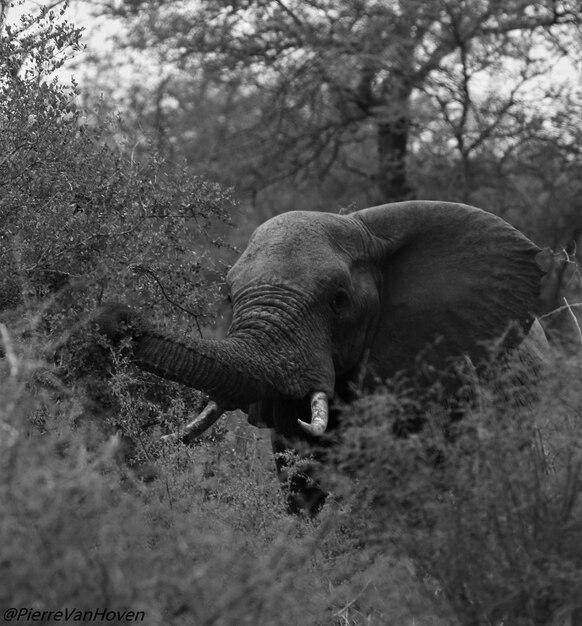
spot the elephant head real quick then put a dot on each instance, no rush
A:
(326, 304)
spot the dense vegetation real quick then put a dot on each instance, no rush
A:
(96, 513)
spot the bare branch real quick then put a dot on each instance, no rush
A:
(574, 318)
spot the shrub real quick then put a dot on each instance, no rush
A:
(490, 509)
(77, 213)
(81, 222)
(206, 541)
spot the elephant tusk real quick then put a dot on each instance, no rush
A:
(319, 415)
(198, 425)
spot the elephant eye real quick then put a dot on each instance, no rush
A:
(340, 300)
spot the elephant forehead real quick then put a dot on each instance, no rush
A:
(308, 231)
(297, 246)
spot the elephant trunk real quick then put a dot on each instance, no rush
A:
(220, 368)
(234, 371)
(276, 348)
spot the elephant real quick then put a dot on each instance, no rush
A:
(326, 305)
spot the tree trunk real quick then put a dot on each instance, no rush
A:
(392, 150)
(392, 138)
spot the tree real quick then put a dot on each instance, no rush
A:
(77, 212)
(320, 89)
(321, 105)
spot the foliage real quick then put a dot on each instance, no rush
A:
(364, 97)
(78, 214)
(491, 510)
(483, 528)
(206, 542)
(82, 221)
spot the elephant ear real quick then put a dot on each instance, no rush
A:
(454, 278)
